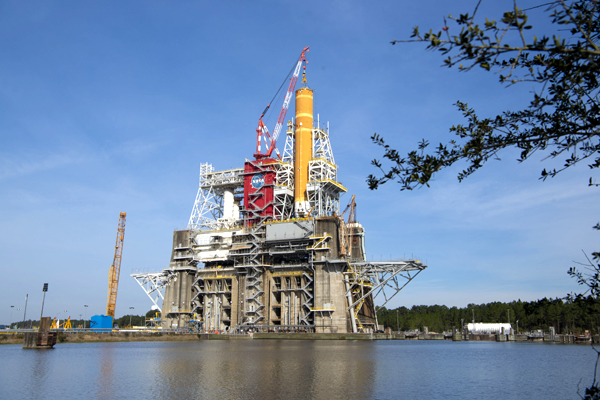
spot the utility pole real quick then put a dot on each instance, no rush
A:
(25, 312)
(44, 289)
(397, 322)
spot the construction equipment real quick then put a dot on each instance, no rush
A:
(262, 133)
(115, 268)
(57, 325)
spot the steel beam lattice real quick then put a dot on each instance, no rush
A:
(208, 206)
(153, 284)
(384, 278)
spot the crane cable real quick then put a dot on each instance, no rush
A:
(282, 84)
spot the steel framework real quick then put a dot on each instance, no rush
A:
(207, 211)
(374, 278)
(323, 187)
(153, 284)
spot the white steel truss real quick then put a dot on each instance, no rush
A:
(288, 149)
(283, 203)
(322, 146)
(323, 188)
(374, 278)
(153, 284)
(283, 194)
(208, 207)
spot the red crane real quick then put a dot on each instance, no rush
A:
(262, 133)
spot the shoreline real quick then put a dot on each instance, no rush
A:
(107, 337)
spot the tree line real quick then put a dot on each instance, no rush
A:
(566, 315)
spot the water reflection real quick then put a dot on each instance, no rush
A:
(273, 369)
(40, 369)
(105, 377)
(247, 369)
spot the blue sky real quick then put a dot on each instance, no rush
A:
(112, 106)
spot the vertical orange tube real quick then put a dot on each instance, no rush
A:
(303, 148)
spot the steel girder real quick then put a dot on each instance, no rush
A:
(374, 278)
(153, 284)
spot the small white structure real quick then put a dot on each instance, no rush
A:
(481, 327)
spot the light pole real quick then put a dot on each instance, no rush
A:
(397, 322)
(44, 289)
(131, 308)
(84, 314)
(25, 311)
(80, 317)
(10, 324)
(517, 327)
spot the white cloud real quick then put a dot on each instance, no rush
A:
(13, 166)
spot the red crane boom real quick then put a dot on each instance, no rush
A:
(262, 132)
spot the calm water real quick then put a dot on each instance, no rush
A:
(256, 369)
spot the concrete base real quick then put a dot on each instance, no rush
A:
(317, 336)
(37, 340)
(485, 338)
(214, 336)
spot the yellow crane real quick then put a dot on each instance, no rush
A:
(115, 269)
(65, 325)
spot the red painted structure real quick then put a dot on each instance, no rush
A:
(259, 182)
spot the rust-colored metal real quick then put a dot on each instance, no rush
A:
(115, 268)
(47, 339)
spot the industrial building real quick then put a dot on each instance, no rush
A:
(267, 248)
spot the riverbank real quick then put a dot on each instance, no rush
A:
(97, 337)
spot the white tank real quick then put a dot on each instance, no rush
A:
(481, 327)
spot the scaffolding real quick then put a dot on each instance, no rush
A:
(207, 212)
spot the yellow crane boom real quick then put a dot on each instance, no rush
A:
(115, 268)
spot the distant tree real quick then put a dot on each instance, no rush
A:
(572, 315)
